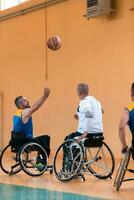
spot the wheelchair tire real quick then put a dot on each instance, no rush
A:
(9, 162)
(33, 159)
(98, 165)
(122, 170)
(68, 160)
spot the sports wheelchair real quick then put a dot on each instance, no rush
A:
(91, 156)
(30, 157)
(123, 168)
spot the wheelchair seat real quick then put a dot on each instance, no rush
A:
(94, 140)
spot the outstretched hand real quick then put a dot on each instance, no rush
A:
(84, 135)
(124, 150)
(46, 92)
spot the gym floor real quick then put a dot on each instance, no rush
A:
(22, 186)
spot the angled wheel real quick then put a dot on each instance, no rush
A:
(118, 170)
(122, 169)
(100, 161)
(68, 160)
(9, 162)
(33, 159)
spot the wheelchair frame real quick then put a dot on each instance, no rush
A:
(79, 162)
(123, 168)
(31, 158)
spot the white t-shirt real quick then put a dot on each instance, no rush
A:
(90, 116)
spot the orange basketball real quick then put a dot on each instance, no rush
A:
(54, 43)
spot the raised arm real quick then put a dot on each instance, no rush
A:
(29, 111)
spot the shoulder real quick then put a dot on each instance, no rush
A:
(26, 111)
(86, 102)
(95, 101)
(130, 107)
(18, 113)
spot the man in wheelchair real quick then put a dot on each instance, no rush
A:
(23, 126)
(74, 156)
(89, 114)
(127, 118)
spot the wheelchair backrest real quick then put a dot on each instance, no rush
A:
(17, 140)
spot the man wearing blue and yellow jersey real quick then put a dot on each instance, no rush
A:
(22, 120)
(127, 118)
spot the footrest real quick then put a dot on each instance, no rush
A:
(130, 170)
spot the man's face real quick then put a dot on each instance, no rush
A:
(24, 103)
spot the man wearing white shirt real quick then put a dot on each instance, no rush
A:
(89, 114)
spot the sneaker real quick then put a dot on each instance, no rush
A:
(39, 166)
(42, 160)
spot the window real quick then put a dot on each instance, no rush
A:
(5, 4)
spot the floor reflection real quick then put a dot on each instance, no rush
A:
(12, 192)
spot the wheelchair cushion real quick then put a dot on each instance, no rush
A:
(94, 140)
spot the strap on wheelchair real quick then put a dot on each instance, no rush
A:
(97, 136)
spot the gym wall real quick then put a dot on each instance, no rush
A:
(96, 51)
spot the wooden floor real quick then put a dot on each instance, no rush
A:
(91, 187)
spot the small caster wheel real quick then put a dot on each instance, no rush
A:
(83, 178)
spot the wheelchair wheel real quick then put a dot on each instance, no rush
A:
(33, 159)
(9, 162)
(100, 161)
(68, 160)
(122, 169)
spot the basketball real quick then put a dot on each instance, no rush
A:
(54, 43)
